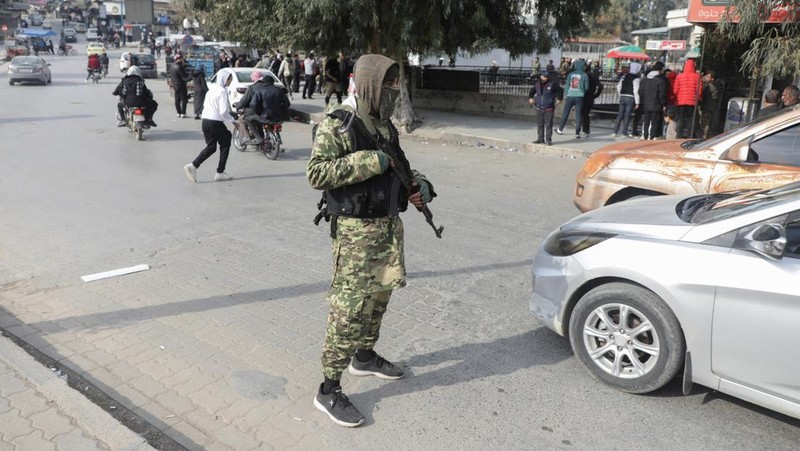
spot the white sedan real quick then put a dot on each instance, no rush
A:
(241, 80)
(702, 285)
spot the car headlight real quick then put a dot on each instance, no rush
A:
(564, 244)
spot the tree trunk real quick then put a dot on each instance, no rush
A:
(404, 117)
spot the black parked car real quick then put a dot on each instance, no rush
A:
(147, 64)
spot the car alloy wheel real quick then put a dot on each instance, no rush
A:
(627, 337)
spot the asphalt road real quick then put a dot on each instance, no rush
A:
(218, 343)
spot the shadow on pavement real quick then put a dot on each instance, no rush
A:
(43, 118)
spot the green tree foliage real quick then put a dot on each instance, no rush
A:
(774, 48)
(396, 27)
(620, 17)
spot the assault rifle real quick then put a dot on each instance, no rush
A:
(405, 176)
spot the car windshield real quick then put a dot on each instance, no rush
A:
(244, 76)
(146, 59)
(25, 61)
(704, 144)
(716, 207)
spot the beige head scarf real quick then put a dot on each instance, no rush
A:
(369, 73)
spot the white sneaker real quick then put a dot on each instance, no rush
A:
(178, 115)
(191, 172)
(613, 135)
(221, 177)
(559, 131)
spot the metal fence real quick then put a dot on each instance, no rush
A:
(520, 82)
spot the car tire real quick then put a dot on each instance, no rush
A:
(11, 82)
(49, 80)
(635, 361)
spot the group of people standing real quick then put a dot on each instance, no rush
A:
(582, 87)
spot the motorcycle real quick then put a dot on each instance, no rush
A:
(67, 50)
(97, 74)
(135, 119)
(270, 146)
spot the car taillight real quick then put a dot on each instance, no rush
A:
(241, 90)
(138, 111)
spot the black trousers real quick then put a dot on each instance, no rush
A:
(650, 124)
(637, 120)
(308, 88)
(544, 125)
(215, 133)
(588, 104)
(181, 99)
(296, 82)
(684, 119)
(199, 98)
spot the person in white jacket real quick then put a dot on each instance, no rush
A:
(216, 111)
(628, 89)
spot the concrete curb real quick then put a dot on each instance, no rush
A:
(422, 134)
(91, 418)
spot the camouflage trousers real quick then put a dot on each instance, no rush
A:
(354, 322)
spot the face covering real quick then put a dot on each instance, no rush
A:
(388, 100)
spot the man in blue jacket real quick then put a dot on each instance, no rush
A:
(577, 83)
(544, 96)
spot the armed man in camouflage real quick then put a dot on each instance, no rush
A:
(364, 198)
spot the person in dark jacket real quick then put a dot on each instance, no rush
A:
(653, 100)
(199, 88)
(179, 85)
(270, 103)
(251, 116)
(544, 96)
(133, 92)
(594, 91)
(710, 104)
(771, 104)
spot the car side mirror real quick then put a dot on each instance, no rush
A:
(767, 240)
(741, 152)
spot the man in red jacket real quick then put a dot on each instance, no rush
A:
(687, 92)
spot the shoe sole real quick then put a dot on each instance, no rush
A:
(362, 373)
(322, 409)
(189, 175)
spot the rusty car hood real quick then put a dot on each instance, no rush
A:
(649, 149)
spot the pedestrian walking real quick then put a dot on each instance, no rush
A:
(364, 199)
(536, 67)
(286, 70)
(544, 96)
(653, 100)
(332, 79)
(628, 90)
(309, 67)
(199, 88)
(179, 85)
(595, 89)
(216, 111)
(687, 93)
(577, 83)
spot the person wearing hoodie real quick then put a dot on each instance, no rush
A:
(199, 88)
(628, 89)
(577, 84)
(364, 199)
(687, 91)
(653, 100)
(595, 89)
(216, 111)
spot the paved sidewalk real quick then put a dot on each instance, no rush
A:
(508, 133)
(39, 411)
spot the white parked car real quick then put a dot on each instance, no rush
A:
(47, 24)
(124, 61)
(241, 80)
(91, 34)
(699, 285)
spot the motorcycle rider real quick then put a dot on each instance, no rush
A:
(104, 63)
(270, 104)
(93, 64)
(249, 112)
(62, 45)
(133, 92)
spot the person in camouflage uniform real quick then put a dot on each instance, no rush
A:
(367, 232)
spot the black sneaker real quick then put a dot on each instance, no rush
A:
(378, 366)
(338, 408)
(538, 141)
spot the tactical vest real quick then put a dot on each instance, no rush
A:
(377, 197)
